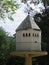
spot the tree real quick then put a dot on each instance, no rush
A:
(46, 1)
(7, 45)
(7, 7)
(2, 36)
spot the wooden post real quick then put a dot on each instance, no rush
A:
(28, 60)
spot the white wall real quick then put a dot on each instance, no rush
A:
(28, 43)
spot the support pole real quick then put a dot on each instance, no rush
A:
(28, 60)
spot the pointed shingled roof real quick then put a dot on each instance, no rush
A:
(27, 24)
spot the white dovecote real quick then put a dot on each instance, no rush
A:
(28, 36)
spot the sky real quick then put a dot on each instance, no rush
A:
(11, 26)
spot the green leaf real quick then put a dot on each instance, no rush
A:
(7, 7)
(11, 18)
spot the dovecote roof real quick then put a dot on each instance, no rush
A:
(28, 23)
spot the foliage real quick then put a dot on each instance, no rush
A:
(7, 45)
(7, 8)
(46, 1)
(2, 36)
